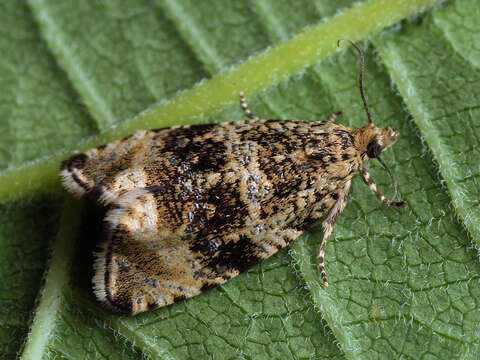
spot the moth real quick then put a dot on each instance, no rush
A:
(190, 207)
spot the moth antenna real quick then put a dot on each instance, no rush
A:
(360, 78)
(362, 94)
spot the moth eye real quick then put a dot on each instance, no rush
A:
(374, 149)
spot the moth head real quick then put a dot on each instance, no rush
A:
(376, 140)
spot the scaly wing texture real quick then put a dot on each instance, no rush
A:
(146, 264)
(194, 206)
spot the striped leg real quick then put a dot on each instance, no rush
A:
(371, 184)
(335, 115)
(328, 227)
(245, 108)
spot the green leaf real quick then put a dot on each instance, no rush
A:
(444, 97)
(94, 65)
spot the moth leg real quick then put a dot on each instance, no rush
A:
(335, 115)
(245, 108)
(328, 227)
(371, 184)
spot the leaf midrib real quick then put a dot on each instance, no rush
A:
(56, 280)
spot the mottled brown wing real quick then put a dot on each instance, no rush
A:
(191, 207)
(147, 263)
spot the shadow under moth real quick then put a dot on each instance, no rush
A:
(190, 207)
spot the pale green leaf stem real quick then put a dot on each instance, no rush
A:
(57, 280)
